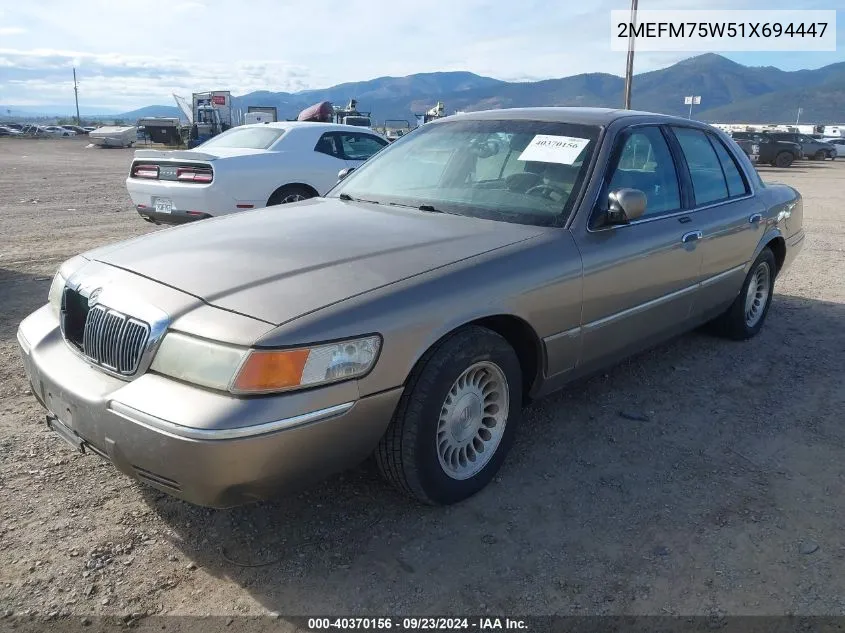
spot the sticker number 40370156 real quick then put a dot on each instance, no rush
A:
(546, 148)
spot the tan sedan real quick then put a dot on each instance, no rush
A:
(475, 264)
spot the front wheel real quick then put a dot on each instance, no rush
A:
(748, 312)
(456, 420)
(784, 159)
(820, 155)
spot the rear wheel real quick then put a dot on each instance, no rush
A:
(748, 312)
(456, 420)
(820, 155)
(783, 159)
(290, 193)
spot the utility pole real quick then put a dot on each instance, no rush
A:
(629, 67)
(76, 97)
(798, 118)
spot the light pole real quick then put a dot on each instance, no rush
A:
(76, 97)
(798, 118)
(629, 67)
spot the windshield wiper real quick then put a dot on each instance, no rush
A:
(347, 198)
(421, 207)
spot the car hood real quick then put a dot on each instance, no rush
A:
(278, 263)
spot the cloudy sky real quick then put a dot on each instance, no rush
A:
(130, 54)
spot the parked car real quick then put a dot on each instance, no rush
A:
(89, 128)
(7, 131)
(751, 148)
(13, 126)
(80, 131)
(812, 148)
(481, 262)
(838, 143)
(56, 130)
(246, 167)
(35, 130)
(775, 152)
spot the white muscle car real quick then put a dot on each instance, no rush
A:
(246, 167)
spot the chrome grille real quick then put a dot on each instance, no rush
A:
(113, 340)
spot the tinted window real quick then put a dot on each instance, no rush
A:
(360, 146)
(328, 145)
(246, 137)
(708, 181)
(521, 171)
(736, 183)
(645, 163)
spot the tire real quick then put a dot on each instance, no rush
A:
(735, 322)
(411, 454)
(783, 159)
(290, 193)
(819, 155)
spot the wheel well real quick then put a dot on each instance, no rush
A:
(778, 247)
(524, 341)
(292, 184)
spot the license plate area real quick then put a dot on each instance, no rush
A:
(60, 420)
(163, 205)
(65, 433)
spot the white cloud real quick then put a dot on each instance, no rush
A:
(11, 30)
(109, 79)
(186, 7)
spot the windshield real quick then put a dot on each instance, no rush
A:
(246, 137)
(513, 170)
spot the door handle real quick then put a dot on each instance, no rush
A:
(754, 219)
(692, 236)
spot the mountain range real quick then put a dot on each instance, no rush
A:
(730, 92)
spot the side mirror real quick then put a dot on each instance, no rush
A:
(343, 173)
(625, 205)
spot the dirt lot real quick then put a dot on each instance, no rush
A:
(728, 499)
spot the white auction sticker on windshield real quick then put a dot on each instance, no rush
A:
(545, 148)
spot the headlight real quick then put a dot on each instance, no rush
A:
(251, 371)
(197, 360)
(54, 297)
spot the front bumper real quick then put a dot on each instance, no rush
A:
(205, 447)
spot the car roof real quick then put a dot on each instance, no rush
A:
(563, 114)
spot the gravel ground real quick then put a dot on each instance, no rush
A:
(725, 497)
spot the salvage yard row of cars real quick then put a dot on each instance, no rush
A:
(19, 129)
(410, 311)
(781, 149)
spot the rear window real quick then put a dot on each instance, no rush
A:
(246, 138)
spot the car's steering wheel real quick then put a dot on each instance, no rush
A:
(546, 191)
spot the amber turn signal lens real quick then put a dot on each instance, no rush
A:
(271, 370)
